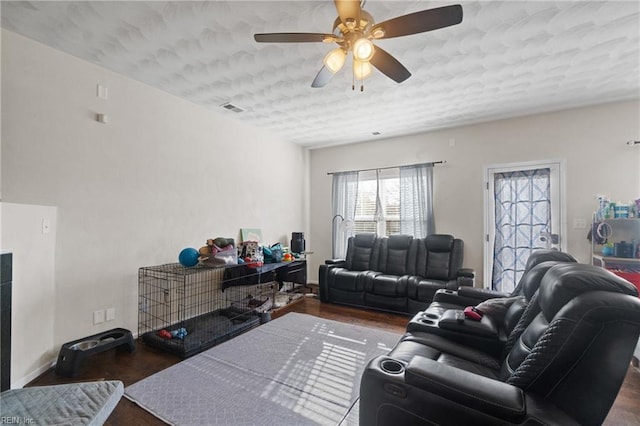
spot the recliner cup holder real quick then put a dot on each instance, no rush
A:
(427, 321)
(391, 366)
(429, 315)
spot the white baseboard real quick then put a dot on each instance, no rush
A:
(20, 383)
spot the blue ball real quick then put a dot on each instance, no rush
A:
(188, 257)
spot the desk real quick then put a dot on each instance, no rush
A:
(242, 275)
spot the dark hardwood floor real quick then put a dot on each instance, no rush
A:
(130, 368)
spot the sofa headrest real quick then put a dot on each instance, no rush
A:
(539, 256)
(439, 242)
(364, 240)
(532, 278)
(602, 306)
(399, 242)
(565, 281)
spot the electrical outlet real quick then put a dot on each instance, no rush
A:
(98, 317)
(111, 314)
(579, 223)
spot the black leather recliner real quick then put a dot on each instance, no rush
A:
(438, 266)
(565, 367)
(493, 333)
(343, 280)
(444, 300)
(386, 288)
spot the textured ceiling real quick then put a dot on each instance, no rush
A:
(505, 59)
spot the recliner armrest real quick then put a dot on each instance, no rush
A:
(466, 277)
(481, 294)
(479, 393)
(465, 296)
(467, 272)
(323, 271)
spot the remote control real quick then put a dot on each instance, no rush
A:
(472, 313)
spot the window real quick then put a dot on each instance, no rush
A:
(366, 201)
(387, 201)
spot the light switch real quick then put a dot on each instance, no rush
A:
(102, 92)
(46, 226)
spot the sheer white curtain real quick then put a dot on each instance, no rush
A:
(416, 200)
(344, 197)
(379, 216)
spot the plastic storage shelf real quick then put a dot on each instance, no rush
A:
(623, 259)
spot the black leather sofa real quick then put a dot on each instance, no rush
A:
(398, 273)
(564, 361)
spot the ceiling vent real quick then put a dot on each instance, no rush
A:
(231, 107)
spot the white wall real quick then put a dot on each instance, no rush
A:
(592, 140)
(162, 175)
(33, 292)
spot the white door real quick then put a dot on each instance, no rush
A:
(524, 211)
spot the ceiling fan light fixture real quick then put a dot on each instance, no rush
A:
(354, 31)
(335, 59)
(361, 69)
(350, 23)
(363, 49)
(378, 33)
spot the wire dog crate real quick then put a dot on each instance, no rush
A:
(172, 297)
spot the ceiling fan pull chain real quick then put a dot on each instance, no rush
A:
(361, 64)
(353, 81)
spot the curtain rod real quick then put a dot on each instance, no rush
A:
(390, 167)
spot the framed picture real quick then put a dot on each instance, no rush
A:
(251, 234)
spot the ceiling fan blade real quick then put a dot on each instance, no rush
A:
(291, 37)
(324, 76)
(419, 22)
(389, 66)
(348, 9)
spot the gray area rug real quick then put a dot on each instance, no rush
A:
(295, 370)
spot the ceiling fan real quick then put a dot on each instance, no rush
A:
(353, 31)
